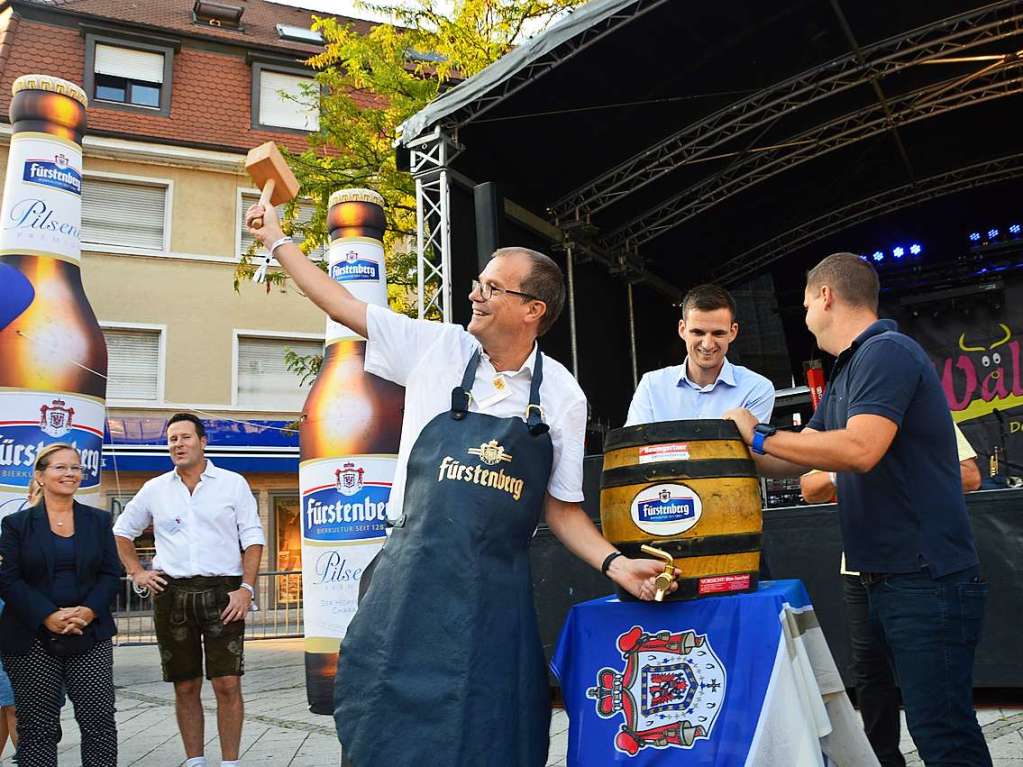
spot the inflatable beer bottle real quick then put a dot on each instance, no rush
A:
(53, 358)
(349, 435)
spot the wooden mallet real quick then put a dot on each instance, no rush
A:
(272, 175)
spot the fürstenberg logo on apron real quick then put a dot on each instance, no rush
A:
(491, 454)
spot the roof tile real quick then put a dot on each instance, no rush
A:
(258, 24)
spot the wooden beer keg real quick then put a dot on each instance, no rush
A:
(689, 488)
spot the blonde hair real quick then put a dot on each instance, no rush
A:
(35, 489)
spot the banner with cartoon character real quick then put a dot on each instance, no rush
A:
(977, 355)
(724, 682)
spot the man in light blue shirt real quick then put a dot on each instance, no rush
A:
(706, 384)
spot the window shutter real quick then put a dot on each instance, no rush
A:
(133, 364)
(129, 63)
(263, 380)
(277, 101)
(303, 214)
(126, 214)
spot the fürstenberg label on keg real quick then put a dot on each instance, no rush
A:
(666, 509)
(42, 197)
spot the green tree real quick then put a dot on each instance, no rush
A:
(374, 81)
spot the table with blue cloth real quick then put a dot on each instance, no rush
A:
(730, 681)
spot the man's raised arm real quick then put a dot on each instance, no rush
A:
(327, 294)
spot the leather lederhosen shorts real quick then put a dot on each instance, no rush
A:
(189, 628)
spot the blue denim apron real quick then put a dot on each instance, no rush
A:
(442, 664)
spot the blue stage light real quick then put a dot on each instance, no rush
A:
(992, 233)
(898, 251)
(974, 236)
(915, 249)
(1014, 229)
(878, 255)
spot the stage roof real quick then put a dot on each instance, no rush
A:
(713, 140)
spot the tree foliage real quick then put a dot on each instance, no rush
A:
(371, 82)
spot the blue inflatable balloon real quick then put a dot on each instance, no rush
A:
(16, 293)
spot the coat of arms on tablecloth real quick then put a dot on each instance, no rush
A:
(669, 693)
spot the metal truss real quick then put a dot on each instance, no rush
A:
(995, 82)
(970, 177)
(537, 68)
(429, 157)
(926, 44)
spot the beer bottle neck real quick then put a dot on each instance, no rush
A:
(369, 232)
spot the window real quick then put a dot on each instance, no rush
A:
(287, 553)
(127, 214)
(124, 73)
(299, 34)
(263, 380)
(128, 76)
(134, 363)
(284, 99)
(218, 14)
(303, 214)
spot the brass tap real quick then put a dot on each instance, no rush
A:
(663, 581)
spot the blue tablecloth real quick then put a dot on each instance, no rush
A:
(730, 681)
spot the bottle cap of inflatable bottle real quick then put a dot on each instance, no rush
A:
(355, 195)
(51, 84)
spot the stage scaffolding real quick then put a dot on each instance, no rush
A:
(589, 224)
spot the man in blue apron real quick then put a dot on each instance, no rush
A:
(442, 664)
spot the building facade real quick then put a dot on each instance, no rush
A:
(179, 90)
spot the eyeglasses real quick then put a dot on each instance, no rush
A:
(486, 291)
(63, 468)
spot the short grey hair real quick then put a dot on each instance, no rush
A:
(544, 281)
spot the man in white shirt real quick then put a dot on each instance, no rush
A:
(445, 647)
(706, 384)
(208, 544)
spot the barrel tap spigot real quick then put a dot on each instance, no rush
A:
(663, 581)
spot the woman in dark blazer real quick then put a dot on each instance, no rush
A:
(59, 575)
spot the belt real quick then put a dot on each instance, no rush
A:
(202, 581)
(869, 579)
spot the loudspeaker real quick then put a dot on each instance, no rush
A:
(489, 206)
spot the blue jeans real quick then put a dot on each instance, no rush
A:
(931, 628)
(870, 672)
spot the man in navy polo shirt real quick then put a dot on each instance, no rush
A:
(883, 427)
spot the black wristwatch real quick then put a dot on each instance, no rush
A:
(761, 432)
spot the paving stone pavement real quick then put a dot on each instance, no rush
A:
(280, 732)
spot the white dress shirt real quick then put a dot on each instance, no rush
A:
(429, 358)
(199, 533)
